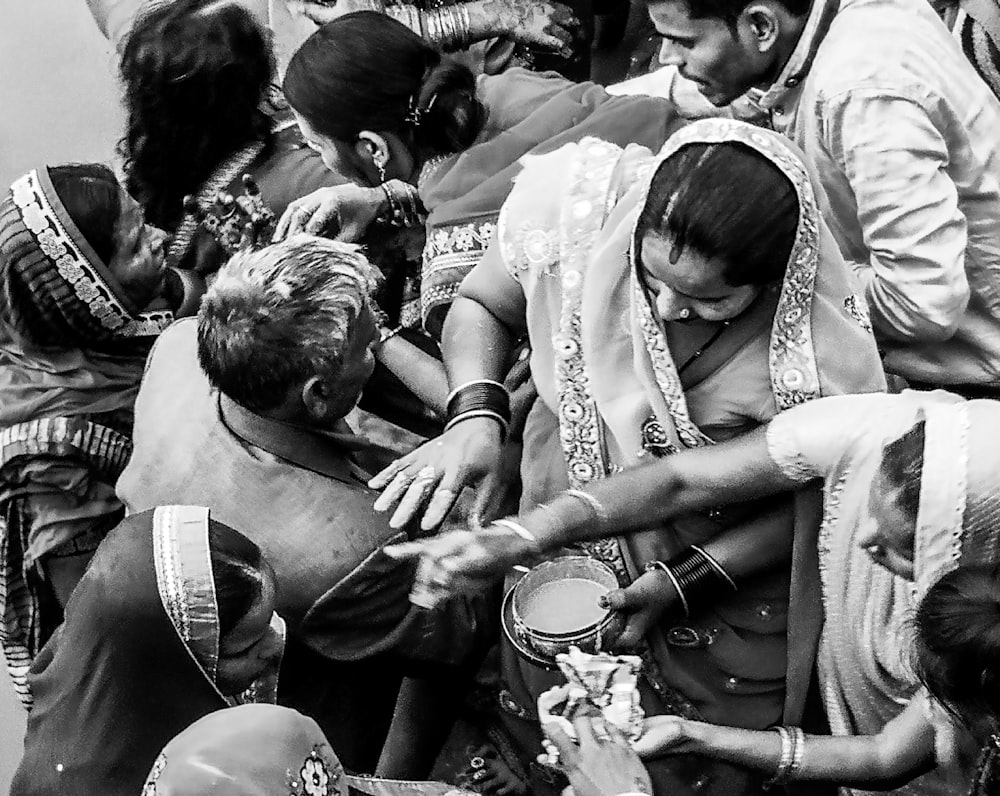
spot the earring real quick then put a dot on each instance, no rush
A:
(380, 167)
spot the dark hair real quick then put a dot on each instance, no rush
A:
(366, 71)
(726, 201)
(902, 467)
(92, 196)
(195, 73)
(236, 570)
(957, 645)
(729, 10)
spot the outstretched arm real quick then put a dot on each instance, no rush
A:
(904, 749)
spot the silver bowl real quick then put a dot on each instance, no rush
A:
(551, 609)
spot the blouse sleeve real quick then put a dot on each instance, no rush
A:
(807, 441)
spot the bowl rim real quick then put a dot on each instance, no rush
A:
(570, 635)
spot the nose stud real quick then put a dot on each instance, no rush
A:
(684, 314)
(875, 551)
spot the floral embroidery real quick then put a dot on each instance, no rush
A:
(72, 265)
(458, 249)
(315, 776)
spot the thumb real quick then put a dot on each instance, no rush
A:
(621, 599)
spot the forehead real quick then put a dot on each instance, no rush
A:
(692, 274)
(672, 19)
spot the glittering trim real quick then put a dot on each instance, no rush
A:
(457, 248)
(792, 357)
(185, 582)
(58, 245)
(580, 429)
(668, 380)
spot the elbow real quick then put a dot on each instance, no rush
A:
(922, 321)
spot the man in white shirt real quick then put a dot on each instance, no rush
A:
(905, 139)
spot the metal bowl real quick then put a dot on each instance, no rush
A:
(554, 606)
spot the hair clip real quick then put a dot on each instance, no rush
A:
(415, 113)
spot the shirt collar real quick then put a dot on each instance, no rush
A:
(328, 453)
(788, 85)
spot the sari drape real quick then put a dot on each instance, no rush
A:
(132, 664)
(602, 364)
(72, 350)
(528, 113)
(864, 652)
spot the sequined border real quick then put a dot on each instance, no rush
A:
(72, 265)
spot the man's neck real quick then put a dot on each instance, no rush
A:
(788, 40)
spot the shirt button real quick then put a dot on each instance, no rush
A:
(779, 111)
(792, 82)
(732, 683)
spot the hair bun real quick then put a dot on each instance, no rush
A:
(450, 116)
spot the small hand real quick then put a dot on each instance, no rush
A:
(603, 764)
(661, 735)
(540, 23)
(323, 12)
(642, 603)
(343, 212)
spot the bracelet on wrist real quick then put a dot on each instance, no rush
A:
(595, 508)
(386, 334)
(479, 396)
(477, 413)
(793, 743)
(695, 575)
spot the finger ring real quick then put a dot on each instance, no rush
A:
(477, 762)
(479, 775)
(426, 473)
(875, 551)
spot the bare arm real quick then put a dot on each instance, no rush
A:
(422, 374)
(904, 749)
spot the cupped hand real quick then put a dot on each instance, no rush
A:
(321, 13)
(641, 603)
(602, 763)
(539, 23)
(343, 212)
(429, 480)
(661, 735)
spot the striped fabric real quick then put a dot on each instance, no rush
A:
(977, 28)
(105, 452)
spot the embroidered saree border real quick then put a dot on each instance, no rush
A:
(58, 245)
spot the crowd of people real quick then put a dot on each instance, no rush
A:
(384, 304)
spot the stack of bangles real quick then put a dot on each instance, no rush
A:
(479, 398)
(694, 574)
(793, 749)
(405, 208)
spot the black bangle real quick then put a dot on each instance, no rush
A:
(694, 574)
(480, 395)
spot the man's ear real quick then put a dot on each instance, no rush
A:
(764, 25)
(315, 398)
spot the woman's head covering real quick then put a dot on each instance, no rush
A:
(264, 750)
(820, 342)
(58, 271)
(248, 751)
(132, 664)
(958, 519)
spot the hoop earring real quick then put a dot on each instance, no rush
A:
(380, 167)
